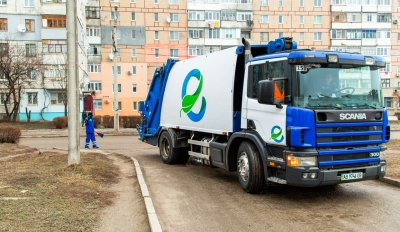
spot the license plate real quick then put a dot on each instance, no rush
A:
(351, 176)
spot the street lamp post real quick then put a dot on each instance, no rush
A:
(116, 107)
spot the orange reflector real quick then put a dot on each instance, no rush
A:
(291, 161)
(223, 133)
(144, 141)
(272, 164)
(177, 127)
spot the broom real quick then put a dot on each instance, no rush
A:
(99, 134)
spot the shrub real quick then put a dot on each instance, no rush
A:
(9, 134)
(97, 121)
(108, 121)
(60, 122)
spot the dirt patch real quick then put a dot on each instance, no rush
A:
(38, 191)
(393, 159)
(31, 125)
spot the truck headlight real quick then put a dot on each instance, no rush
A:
(301, 161)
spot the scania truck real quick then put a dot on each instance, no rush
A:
(262, 111)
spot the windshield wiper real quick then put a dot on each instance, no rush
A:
(369, 106)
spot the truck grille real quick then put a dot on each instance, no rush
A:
(345, 145)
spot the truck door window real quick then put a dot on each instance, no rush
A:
(264, 71)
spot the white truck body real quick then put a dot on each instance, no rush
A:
(218, 71)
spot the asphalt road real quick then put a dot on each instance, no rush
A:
(193, 197)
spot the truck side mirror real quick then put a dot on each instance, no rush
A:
(271, 92)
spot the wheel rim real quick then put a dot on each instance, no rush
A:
(243, 166)
(165, 148)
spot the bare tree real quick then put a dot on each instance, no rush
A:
(19, 65)
(59, 78)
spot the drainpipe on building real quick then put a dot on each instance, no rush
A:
(116, 108)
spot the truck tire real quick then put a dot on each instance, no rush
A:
(169, 155)
(184, 156)
(250, 169)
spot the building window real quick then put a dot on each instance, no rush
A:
(280, 19)
(133, 52)
(3, 3)
(57, 98)
(29, 3)
(244, 16)
(264, 36)
(133, 34)
(32, 98)
(212, 34)
(4, 49)
(118, 70)
(156, 52)
(30, 25)
(318, 19)
(97, 104)
(174, 17)
(173, 53)
(55, 71)
(31, 75)
(385, 83)
(54, 21)
(93, 31)
(133, 16)
(301, 20)
(92, 12)
(93, 50)
(353, 17)
(118, 52)
(134, 106)
(264, 2)
(156, 35)
(115, 15)
(384, 2)
(54, 46)
(382, 51)
(317, 3)
(119, 106)
(173, 35)
(280, 34)
(196, 33)
(196, 50)
(196, 15)
(134, 88)
(95, 86)
(386, 68)
(384, 34)
(155, 1)
(228, 33)
(134, 70)
(133, 1)
(30, 49)
(155, 17)
(301, 37)
(94, 68)
(264, 19)
(3, 97)
(280, 3)
(317, 36)
(228, 15)
(119, 88)
(339, 17)
(301, 3)
(173, 1)
(3, 24)
(384, 18)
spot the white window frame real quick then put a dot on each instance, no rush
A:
(156, 17)
(173, 2)
(196, 33)
(133, 52)
(31, 75)
(301, 3)
(133, 71)
(317, 3)
(119, 106)
(196, 15)
(228, 33)
(118, 70)
(29, 3)
(280, 3)
(112, 13)
(133, 15)
(135, 106)
(196, 50)
(93, 31)
(264, 19)
(156, 35)
(264, 2)
(94, 68)
(30, 100)
(301, 19)
(156, 53)
(174, 53)
(119, 88)
(316, 35)
(95, 86)
(97, 104)
(264, 36)
(244, 16)
(280, 19)
(134, 88)
(3, 97)
(174, 17)
(174, 35)
(3, 3)
(301, 36)
(317, 19)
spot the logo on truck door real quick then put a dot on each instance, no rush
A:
(188, 100)
(276, 134)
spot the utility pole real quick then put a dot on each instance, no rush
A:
(116, 108)
(73, 107)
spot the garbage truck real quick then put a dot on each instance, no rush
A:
(264, 111)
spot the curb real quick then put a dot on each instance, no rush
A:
(151, 212)
(391, 181)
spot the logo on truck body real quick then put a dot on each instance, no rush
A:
(188, 100)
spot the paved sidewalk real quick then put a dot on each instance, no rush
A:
(48, 133)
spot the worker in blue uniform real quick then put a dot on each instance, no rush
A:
(89, 123)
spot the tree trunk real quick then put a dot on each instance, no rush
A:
(28, 114)
(65, 110)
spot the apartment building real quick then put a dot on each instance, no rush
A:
(394, 81)
(37, 29)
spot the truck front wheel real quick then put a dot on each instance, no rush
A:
(169, 155)
(250, 169)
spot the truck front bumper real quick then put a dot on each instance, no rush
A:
(295, 175)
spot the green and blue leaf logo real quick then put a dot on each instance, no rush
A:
(276, 134)
(188, 100)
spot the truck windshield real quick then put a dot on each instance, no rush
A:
(337, 87)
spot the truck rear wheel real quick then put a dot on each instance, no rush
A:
(250, 168)
(184, 155)
(169, 155)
